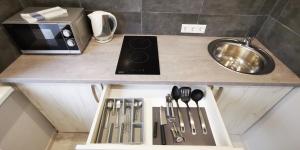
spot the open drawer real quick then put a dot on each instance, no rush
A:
(154, 96)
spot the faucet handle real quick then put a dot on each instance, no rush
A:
(247, 40)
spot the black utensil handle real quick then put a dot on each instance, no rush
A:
(162, 135)
(155, 129)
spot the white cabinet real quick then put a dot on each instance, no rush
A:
(154, 96)
(279, 128)
(242, 106)
(22, 126)
(69, 107)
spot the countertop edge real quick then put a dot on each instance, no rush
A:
(88, 81)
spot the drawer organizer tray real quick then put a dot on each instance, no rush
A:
(122, 121)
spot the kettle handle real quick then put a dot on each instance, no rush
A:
(114, 19)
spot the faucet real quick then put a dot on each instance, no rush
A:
(247, 40)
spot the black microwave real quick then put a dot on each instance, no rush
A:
(63, 35)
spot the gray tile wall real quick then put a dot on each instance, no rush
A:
(223, 17)
(8, 52)
(281, 33)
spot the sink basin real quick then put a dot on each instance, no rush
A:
(240, 56)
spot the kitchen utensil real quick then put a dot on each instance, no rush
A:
(176, 95)
(121, 133)
(185, 97)
(137, 113)
(197, 95)
(170, 109)
(103, 32)
(163, 122)
(155, 129)
(127, 127)
(176, 134)
(118, 106)
(114, 107)
(108, 108)
(122, 121)
(110, 133)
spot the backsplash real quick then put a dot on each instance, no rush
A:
(223, 17)
(8, 52)
(281, 33)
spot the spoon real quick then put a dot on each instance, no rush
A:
(197, 95)
(176, 95)
(186, 97)
(137, 113)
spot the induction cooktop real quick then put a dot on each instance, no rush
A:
(139, 55)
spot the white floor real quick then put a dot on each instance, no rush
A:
(237, 140)
(68, 141)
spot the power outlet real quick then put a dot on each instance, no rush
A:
(193, 28)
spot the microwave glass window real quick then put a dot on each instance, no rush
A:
(43, 34)
(37, 36)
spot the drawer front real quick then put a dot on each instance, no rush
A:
(154, 96)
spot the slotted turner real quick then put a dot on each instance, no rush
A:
(185, 95)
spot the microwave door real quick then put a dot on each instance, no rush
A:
(48, 37)
(37, 36)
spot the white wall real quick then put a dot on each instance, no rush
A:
(22, 127)
(279, 129)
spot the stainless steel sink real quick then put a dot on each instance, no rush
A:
(241, 56)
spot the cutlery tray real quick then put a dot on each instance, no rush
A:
(122, 121)
(198, 139)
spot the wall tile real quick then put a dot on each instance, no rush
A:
(8, 8)
(241, 7)
(129, 23)
(8, 52)
(177, 6)
(165, 23)
(69, 3)
(175, 12)
(282, 42)
(217, 25)
(290, 15)
(279, 6)
(113, 5)
(226, 25)
(50, 3)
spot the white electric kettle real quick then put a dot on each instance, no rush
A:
(101, 25)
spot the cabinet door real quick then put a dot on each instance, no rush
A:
(242, 106)
(69, 107)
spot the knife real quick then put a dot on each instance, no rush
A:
(163, 122)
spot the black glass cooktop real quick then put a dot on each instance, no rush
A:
(139, 55)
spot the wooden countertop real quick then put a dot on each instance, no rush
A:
(183, 60)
